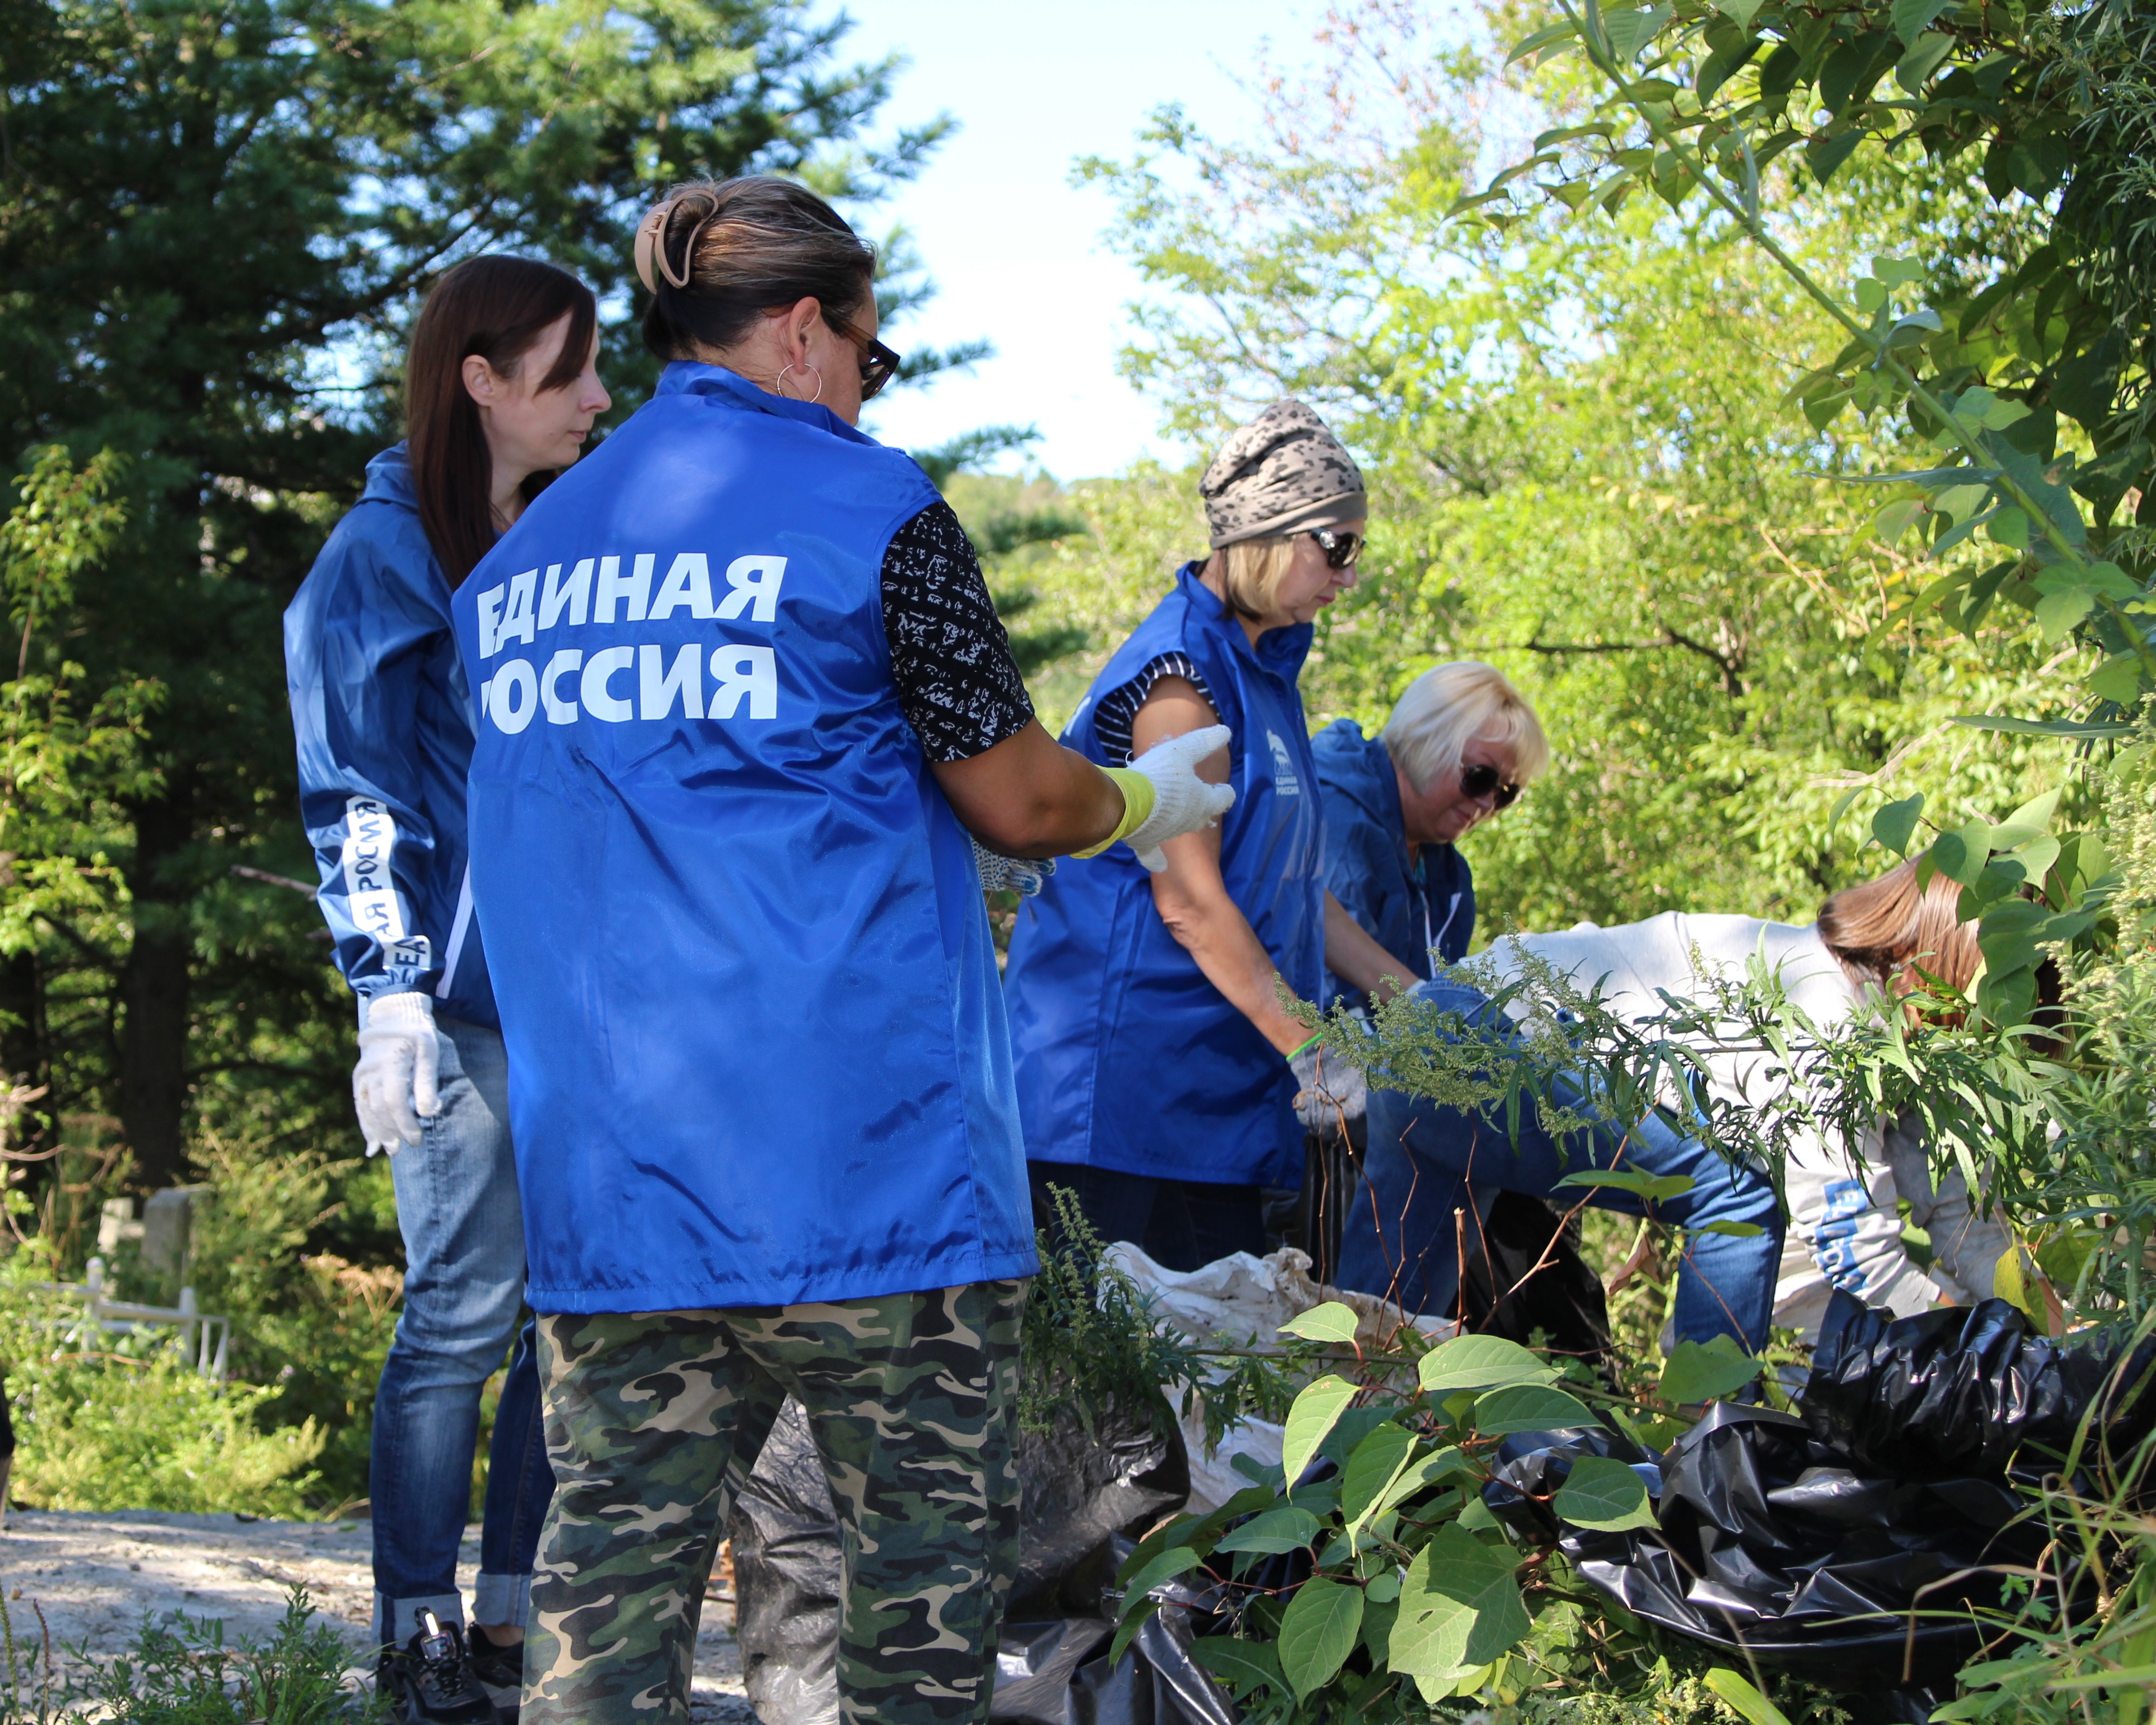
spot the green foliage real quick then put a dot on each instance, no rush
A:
(300, 1252)
(1092, 1340)
(1658, 422)
(2055, 97)
(313, 1282)
(2053, 1118)
(1581, 472)
(1755, 1707)
(1074, 570)
(1706, 1371)
(2087, 1205)
(70, 756)
(182, 1672)
(1604, 1494)
(1417, 1599)
(154, 1435)
(108, 1422)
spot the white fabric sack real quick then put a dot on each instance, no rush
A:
(1240, 1301)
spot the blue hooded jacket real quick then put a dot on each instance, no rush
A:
(381, 714)
(757, 1046)
(1408, 907)
(1127, 1057)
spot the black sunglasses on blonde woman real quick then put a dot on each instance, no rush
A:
(1480, 780)
(1339, 549)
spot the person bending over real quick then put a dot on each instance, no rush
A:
(1414, 1212)
(1846, 1227)
(1460, 744)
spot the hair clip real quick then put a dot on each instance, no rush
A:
(651, 242)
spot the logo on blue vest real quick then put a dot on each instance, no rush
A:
(1284, 779)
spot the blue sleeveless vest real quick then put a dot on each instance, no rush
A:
(758, 1053)
(1128, 1058)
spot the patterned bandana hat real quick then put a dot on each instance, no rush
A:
(1283, 473)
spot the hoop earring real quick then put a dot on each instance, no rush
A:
(777, 385)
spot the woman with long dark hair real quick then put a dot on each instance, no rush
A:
(501, 393)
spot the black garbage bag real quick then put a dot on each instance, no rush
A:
(1963, 1390)
(1085, 1497)
(1080, 1488)
(1814, 1543)
(1530, 1467)
(1058, 1673)
(1770, 1546)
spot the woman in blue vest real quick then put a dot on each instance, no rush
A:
(1153, 1052)
(1460, 744)
(745, 710)
(501, 391)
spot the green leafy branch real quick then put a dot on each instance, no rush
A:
(1973, 422)
(1411, 1579)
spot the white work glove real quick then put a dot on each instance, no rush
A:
(393, 1085)
(1022, 876)
(1331, 1091)
(1183, 801)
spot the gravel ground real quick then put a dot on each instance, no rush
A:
(96, 1575)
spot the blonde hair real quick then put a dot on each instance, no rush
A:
(1252, 571)
(1886, 929)
(1445, 706)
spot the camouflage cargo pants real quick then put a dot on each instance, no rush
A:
(654, 1419)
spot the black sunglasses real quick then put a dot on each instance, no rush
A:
(878, 364)
(1480, 780)
(1339, 549)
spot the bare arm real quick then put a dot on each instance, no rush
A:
(1029, 796)
(1353, 956)
(1189, 894)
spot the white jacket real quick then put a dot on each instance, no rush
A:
(1844, 1228)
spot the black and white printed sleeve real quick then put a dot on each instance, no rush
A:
(958, 684)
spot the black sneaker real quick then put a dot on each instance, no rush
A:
(496, 1667)
(430, 1680)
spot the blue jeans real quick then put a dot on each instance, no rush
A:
(464, 1289)
(1402, 1233)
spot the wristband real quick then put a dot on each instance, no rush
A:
(1138, 798)
(1312, 1043)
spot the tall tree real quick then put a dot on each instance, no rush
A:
(216, 217)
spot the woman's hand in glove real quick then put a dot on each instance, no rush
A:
(1331, 1090)
(1022, 876)
(394, 1085)
(1183, 801)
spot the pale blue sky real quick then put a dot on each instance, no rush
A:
(1014, 249)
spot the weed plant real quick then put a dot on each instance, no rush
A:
(182, 1672)
(103, 1421)
(1093, 1339)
